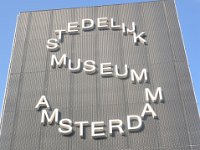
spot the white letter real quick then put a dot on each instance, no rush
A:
(115, 124)
(60, 33)
(77, 69)
(102, 23)
(73, 27)
(113, 26)
(89, 66)
(50, 120)
(52, 45)
(139, 38)
(98, 130)
(81, 124)
(121, 76)
(42, 103)
(87, 24)
(129, 31)
(152, 97)
(65, 124)
(138, 119)
(60, 63)
(106, 69)
(148, 110)
(124, 29)
(138, 78)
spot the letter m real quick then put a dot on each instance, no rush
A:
(60, 63)
(139, 78)
(157, 96)
(45, 117)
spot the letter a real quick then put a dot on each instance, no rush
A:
(42, 103)
(148, 111)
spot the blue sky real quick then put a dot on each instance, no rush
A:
(188, 11)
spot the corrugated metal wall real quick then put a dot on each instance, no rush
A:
(93, 98)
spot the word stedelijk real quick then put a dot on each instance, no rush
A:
(103, 23)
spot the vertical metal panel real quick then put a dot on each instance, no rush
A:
(28, 98)
(111, 97)
(58, 94)
(189, 103)
(36, 45)
(147, 138)
(115, 141)
(19, 42)
(171, 14)
(40, 25)
(11, 93)
(133, 54)
(6, 130)
(172, 127)
(26, 128)
(164, 75)
(174, 31)
(157, 32)
(84, 113)
(51, 138)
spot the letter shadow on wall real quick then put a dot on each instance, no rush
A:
(78, 70)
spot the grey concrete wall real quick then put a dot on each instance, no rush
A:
(91, 97)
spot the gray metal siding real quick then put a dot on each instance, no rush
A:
(93, 98)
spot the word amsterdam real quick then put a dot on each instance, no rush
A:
(134, 123)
